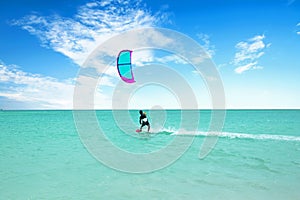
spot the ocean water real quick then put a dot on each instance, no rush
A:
(47, 155)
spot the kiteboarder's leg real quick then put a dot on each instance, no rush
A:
(148, 124)
(143, 124)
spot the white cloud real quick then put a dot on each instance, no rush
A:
(246, 67)
(171, 59)
(248, 53)
(42, 91)
(94, 23)
(140, 58)
(36, 91)
(205, 42)
(76, 38)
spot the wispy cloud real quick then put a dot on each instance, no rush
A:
(246, 67)
(94, 23)
(76, 37)
(248, 54)
(35, 89)
(298, 25)
(171, 59)
(205, 42)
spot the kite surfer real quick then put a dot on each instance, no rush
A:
(144, 121)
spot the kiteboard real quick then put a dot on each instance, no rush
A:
(138, 130)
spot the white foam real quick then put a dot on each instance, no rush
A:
(166, 130)
(239, 135)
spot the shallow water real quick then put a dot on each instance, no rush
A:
(257, 156)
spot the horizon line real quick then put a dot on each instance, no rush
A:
(106, 109)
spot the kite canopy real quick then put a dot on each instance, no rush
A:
(124, 66)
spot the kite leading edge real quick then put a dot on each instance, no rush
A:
(124, 66)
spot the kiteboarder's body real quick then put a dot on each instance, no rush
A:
(144, 121)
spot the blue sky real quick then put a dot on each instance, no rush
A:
(254, 44)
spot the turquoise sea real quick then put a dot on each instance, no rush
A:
(257, 156)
